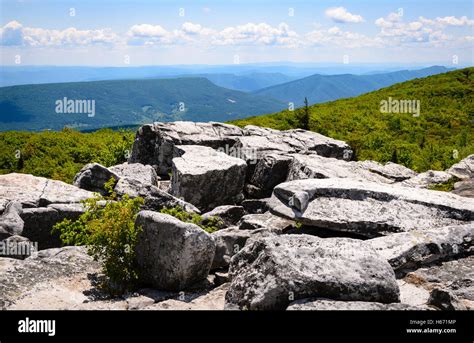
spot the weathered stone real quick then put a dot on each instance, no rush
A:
(154, 144)
(39, 222)
(33, 191)
(228, 242)
(464, 169)
(464, 188)
(334, 305)
(390, 170)
(312, 166)
(207, 178)
(367, 208)
(228, 214)
(269, 271)
(255, 206)
(427, 179)
(155, 198)
(136, 171)
(10, 221)
(93, 177)
(269, 171)
(44, 280)
(454, 276)
(172, 255)
(445, 300)
(17, 247)
(408, 250)
(266, 221)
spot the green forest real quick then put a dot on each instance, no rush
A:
(60, 155)
(438, 137)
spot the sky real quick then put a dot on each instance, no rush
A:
(164, 32)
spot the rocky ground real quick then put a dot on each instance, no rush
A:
(302, 227)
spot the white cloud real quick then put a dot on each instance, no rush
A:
(257, 34)
(14, 33)
(448, 21)
(334, 36)
(341, 15)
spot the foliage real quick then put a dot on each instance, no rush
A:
(440, 136)
(209, 225)
(107, 228)
(60, 155)
(445, 187)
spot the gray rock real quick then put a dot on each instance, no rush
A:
(268, 273)
(390, 170)
(269, 171)
(256, 206)
(453, 276)
(39, 222)
(445, 300)
(266, 221)
(366, 208)
(464, 169)
(17, 247)
(427, 179)
(93, 177)
(45, 269)
(155, 198)
(228, 214)
(136, 171)
(33, 191)
(172, 255)
(154, 144)
(464, 188)
(312, 166)
(207, 178)
(10, 221)
(228, 242)
(334, 305)
(408, 250)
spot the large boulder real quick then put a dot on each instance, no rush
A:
(334, 305)
(33, 191)
(367, 208)
(464, 169)
(155, 199)
(10, 220)
(207, 178)
(266, 221)
(154, 143)
(270, 272)
(228, 215)
(172, 255)
(136, 171)
(464, 188)
(428, 179)
(409, 250)
(228, 242)
(93, 177)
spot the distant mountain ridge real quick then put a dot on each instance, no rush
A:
(322, 88)
(126, 102)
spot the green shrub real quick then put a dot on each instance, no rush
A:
(107, 228)
(209, 225)
(445, 187)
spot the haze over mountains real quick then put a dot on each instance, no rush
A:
(212, 93)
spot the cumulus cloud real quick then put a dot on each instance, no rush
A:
(260, 34)
(14, 33)
(334, 36)
(341, 15)
(448, 21)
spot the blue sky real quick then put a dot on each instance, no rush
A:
(121, 33)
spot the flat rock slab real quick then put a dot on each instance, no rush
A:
(136, 171)
(154, 144)
(409, 250)
(270, 271)
(427, 179)
(333, 305)
(207, 178)
(172, 255)
(455, 277)
(33, 191)
(367, 208)
(464, 169)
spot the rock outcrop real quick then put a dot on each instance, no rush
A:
(207, 178)
(270, 271)
(93, 177)
(136, 171)
(464, 169)
(10, 220)
(172, 255)
(367, 208)
(334, 305)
